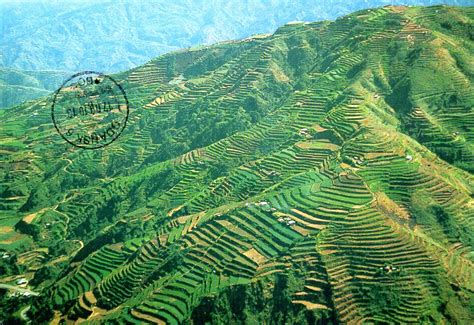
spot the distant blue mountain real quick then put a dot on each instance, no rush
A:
(110, 36)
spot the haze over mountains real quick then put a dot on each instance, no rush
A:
(320, 174)
(111, 36)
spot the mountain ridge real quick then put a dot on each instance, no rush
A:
(125, 34)
(289, 178)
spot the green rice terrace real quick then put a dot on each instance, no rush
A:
(322, 174)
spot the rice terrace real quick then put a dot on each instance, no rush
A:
(322, 174)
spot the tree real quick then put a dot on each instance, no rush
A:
(171, 67)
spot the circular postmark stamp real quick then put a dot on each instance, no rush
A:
(90, 110)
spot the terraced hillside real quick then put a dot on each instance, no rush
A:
(322, 174)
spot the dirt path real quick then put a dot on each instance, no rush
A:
(18, 289)
(23, 314)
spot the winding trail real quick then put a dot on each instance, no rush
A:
(23, 314)
(18, 289)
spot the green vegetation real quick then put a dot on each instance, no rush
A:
(322, 174)
(17, 86)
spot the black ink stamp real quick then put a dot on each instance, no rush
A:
(90, 110)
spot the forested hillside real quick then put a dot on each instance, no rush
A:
(320, 174)
(17, 86)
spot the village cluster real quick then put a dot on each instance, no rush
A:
(266, 206)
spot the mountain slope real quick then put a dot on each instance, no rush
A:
(17, 86)
(41, 37)
(110, 36)
(323, 173)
